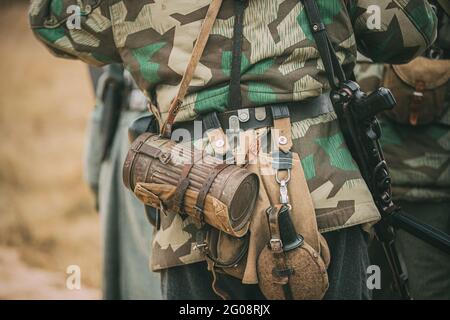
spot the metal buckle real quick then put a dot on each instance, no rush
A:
(284, 194)
(201, 241)
(276, 244)
(201, 246)
(285, 180)
(197, 209)
(137, 148)
(201, 214)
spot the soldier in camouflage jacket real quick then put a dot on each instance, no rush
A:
(280, 63)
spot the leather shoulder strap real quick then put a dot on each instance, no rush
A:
(235, 97)
(330, 61)
(197, 52)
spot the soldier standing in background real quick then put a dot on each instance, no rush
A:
(416, 144)
(126, 234)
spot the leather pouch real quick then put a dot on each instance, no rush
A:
(420, 88)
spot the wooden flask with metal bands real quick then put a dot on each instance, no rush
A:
(157, 165)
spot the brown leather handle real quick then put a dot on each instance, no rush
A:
(197, 52)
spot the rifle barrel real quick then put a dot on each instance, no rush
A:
(423, 231)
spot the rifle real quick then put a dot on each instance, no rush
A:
(356, 112)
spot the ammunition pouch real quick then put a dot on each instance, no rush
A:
(227, 254)
(420, 88)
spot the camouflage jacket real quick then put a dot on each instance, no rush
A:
(280, 62)
(418, 157)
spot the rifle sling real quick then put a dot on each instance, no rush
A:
(331, 63)
(235, 96)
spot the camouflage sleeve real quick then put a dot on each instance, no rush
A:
(75, 29)
(393, 31)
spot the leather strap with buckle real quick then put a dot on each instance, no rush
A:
(416, 102)
(281, 272)
(197, 53)
(199, 205)
(183, 185)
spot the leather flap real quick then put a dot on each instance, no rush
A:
(434, 73)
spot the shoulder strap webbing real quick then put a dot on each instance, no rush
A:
(235, 96)
(197, 52)
(330, 61)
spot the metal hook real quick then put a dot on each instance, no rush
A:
(284, 180)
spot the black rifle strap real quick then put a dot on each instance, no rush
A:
(330, 61)
(235, 96)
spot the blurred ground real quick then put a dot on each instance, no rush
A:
(47, 220)
(20, 281)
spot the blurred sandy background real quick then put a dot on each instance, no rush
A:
(47, 216)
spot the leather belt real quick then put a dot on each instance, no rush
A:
(259, 117)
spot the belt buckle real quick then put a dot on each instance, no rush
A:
(276, 244)
(200, 241)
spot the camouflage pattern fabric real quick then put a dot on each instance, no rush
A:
(340, 195)
(154, 40)
(418, 157)
(280, 63)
